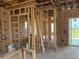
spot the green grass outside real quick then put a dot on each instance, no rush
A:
(75, 33)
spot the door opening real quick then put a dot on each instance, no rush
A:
(74, 31)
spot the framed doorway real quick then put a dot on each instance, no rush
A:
(74, 31)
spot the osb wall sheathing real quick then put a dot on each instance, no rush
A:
(63, 25)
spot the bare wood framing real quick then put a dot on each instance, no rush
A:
(33, 29)
(55, 35)
(13, 54)
(21, 54)
(31, 22)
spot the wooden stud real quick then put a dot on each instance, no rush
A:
(33, 28)
(40, 28)
(55, 35)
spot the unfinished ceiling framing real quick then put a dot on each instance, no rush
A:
(60, 4)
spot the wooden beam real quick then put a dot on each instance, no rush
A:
(39, 26)
(33, 28)
(42, 3)
(33, 52)
(11, 55)
(55, 29)
(67, 1)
